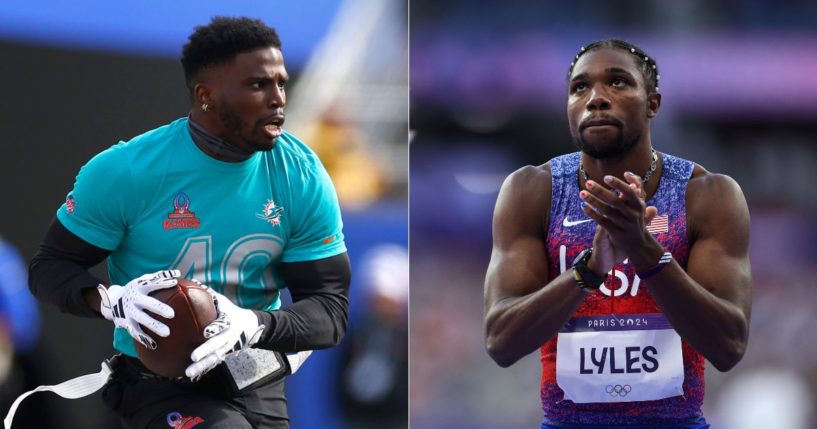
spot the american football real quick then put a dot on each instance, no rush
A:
(194, 309)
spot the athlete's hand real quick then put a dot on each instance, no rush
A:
(126, 305)
(605, 254)
(621, 214)
(235, 328)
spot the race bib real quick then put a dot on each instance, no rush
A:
(619, 358)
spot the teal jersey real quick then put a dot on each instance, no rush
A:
(158, 202)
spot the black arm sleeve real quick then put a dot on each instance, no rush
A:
(58, 273)
(320, 311)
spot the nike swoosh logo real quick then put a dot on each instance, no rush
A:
(568, 223)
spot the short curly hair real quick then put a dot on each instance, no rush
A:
(220, 41)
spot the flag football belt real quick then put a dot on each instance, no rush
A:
(246, 369)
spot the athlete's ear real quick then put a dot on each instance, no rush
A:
(653, 104)
(202, 94)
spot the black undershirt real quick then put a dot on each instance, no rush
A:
(318, 317)
(214, 146)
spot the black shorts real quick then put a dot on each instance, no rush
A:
(144, 400)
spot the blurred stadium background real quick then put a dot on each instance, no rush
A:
(488, 95)
(79, 76)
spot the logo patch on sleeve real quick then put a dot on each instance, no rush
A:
(70, 204)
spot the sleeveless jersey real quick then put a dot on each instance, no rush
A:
(570, 232)
(158, 202)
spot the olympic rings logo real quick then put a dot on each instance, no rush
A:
(618, 390)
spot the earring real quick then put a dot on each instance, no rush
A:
(205, 107)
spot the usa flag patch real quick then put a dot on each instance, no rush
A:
(659, 225)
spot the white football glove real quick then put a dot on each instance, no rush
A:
(126, 305)
(234, 329)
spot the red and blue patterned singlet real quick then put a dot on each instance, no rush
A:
(623, 293)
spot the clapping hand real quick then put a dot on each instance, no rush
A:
(619, 210)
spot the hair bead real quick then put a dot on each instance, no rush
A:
(649, 70)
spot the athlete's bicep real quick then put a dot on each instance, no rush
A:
(516, 271)
(97, 208)
(58, 272)
(317, 225)
(519, 264)
(719, 255)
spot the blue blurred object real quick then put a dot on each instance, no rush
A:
(158, 28)
(18, 309)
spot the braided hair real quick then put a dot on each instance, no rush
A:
(647, 64)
